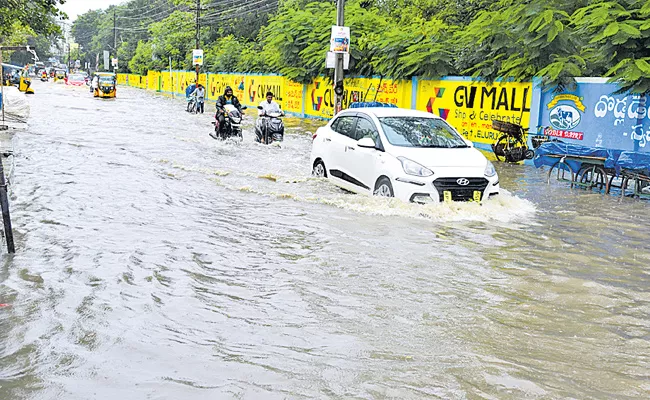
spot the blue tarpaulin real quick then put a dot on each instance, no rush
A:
(634, 161)
(549, 153)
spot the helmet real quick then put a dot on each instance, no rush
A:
(228, 88)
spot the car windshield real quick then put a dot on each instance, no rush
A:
(76, 77)
(420, 132)
(106, 79)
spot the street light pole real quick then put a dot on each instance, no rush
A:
(338, 70)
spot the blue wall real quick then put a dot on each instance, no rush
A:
(592, 115)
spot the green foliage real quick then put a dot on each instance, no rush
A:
(143, 59)
(503, 39)
(223, 55)
(38, 15)
(620, 30)
(299, 52)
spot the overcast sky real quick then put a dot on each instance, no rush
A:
(75, 7)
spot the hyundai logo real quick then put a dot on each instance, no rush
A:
(462, 181)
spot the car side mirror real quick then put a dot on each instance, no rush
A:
(366, 142)
(468, 142)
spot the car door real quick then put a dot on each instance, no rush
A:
(361, 164)
(343, 130)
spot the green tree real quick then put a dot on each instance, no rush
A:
(522, 40)
(38, 15)
(618, 33)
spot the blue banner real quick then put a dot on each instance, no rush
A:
(592, 115)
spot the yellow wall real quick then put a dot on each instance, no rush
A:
(153, 80)
(470, 106)
(467, 105)
(319, 101)
(217, 84)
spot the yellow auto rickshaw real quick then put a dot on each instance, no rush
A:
(25, 83)
(106, 86)
(59, 75)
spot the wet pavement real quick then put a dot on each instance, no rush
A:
(156, 263)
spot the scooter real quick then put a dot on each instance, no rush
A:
(269, 127)
(232, 126)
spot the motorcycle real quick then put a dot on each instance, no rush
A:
(232, 126)
(269, 127)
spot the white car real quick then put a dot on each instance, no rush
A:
(412, 155)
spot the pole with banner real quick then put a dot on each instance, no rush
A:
(340, 46)
(197, 60)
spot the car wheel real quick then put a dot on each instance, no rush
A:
(319, 170)
(383, 188)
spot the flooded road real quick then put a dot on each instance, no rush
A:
(155, 263)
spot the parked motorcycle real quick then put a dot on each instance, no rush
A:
(232, 126)
(269, 127)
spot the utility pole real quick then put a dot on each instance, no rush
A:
(338, 70)
(3, 100)
(115, 36)
(198, 34)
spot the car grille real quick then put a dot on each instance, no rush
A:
(459, 192)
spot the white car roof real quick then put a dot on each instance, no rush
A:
(380, 112)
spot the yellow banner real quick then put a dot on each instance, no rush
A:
(471, 106)
(165, 82)
(153, 81)
(258, 85)
(320, 94)
(217, 85)
(122, 79)
(292, 96)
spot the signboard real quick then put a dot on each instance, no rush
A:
(106, 66)
(594, 115)
(340, 40)
(197, 57)
(331, 60)
(471, 106)
(114, 62)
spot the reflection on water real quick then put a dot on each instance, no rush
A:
(157, 263)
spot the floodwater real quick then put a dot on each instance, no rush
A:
(156, 263)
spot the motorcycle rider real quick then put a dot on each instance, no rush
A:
(227, 98)
(265, 109)
(269, 106)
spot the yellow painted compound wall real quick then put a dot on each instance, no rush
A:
(319, 101)
(471, 106)
(467, 105)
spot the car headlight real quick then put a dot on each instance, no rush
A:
(489, 170)
(413, 168)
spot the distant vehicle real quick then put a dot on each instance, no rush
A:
(76, 80)
(59, 74)
(393, 152)
(107, 88)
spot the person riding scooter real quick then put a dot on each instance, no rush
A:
(227, 98)
(269, 106)
(269, 127)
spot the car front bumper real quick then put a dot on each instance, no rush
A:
(432, 189)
